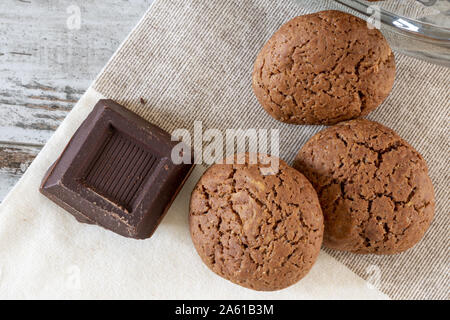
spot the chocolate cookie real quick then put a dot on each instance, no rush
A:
(261, 232)
(323, 68)
(373, 187)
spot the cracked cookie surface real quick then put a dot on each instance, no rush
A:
(261, 232)
(373, 187)
(323, 68)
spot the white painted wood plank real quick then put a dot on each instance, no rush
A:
(45, 66)
(14, 160)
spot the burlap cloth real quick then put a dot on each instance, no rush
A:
(192, 60)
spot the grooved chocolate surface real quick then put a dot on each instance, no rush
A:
(120, 170)
(117, 172)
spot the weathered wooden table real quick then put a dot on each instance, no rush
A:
(50, 52)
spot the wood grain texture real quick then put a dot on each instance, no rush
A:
(47, 63)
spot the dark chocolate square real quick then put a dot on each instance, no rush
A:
(117, 172)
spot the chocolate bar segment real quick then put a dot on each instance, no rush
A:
(117, 172)
(120, 170)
